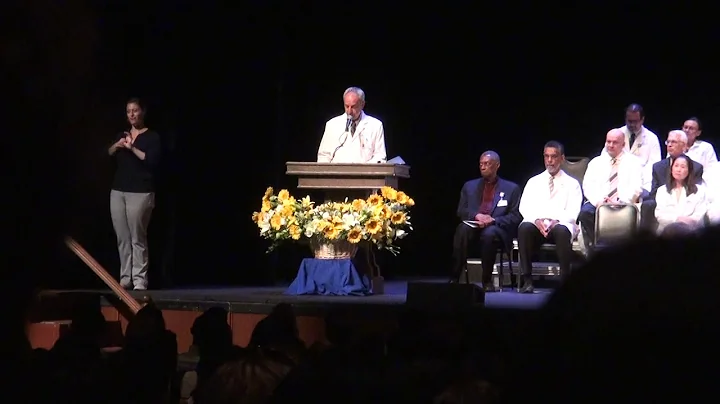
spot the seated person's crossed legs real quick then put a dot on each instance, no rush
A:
(531, 236)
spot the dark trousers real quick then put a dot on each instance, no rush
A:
(465, 238)
(648, 221)
(586, 218)
(530, 240)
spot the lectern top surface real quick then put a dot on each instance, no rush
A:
(345, 169)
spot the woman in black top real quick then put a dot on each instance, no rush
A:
(132, 197)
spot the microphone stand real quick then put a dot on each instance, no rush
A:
(345, 134)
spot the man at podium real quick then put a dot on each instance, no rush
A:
(353, 137)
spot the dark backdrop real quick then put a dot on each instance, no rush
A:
(235, 93)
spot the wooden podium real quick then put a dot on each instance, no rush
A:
(339, 181)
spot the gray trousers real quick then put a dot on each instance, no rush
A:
(130, 213)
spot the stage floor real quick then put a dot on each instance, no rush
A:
(262, 299)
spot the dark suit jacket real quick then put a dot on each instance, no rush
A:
(507, 218)
(661, 171)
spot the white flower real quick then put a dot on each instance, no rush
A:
(311, 228)
(349, 221)
(400, 234)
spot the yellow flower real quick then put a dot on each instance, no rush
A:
(286, 210)
(410, 202)
(331, 233)
(358, 204)
(266, 205)
(382, 212)
(389, 193)
(283, 195)
(323, 224)
(306, 203)
(289, 201)
(268, 193)
(398, 218)
(255, 216)
(373, 226)
(276, 222)
(337, 222)
(354, 235)
(295, 231)
(375, 200)
(402, 197)
(261, 217)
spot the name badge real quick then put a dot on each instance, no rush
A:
(502, 202)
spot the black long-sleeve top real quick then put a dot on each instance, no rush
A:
(133, 174)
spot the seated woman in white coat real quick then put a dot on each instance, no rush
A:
(681, 205)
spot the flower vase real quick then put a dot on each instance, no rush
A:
(333, 250)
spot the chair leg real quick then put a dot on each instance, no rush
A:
(501, 278)
(517, 278)
(513, 276)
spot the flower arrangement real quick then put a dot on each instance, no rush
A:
(380, 219)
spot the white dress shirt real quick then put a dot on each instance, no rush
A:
(367, 145)
(702, 152)
(669, 207)
(596, 184)
(563, 206)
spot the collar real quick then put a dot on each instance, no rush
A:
(360, 118)
(638, 133)
(493, 182)
(619, 157)
(697, 142)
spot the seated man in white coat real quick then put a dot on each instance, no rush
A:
(353, 137)
(549, 206)
(612, 177)
(639, 140)
(711, 177)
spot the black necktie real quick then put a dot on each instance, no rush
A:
(353, 126)
(632, 140)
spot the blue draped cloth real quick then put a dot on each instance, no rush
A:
(334, 277)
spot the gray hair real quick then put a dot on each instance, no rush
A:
(356, 90)
(679, 133)
(491, 155)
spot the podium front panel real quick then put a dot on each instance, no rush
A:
(346, 183)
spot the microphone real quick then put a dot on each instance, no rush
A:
(347, 124)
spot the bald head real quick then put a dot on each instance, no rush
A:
(489, 164)
(614, 142)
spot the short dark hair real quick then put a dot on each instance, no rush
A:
(635, 108)
(492, 155)
(697, 120)
(554, 144)
(137, 101)
(689, 185)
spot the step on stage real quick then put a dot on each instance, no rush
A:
(247, 305)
